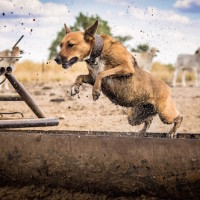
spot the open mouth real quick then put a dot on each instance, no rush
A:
(65, 65)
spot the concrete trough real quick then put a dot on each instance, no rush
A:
(102, 162)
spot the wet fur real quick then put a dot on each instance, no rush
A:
(125, 84)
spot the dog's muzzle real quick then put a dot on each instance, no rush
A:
(66, 64)
(58, 60)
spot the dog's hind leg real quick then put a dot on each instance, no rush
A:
(147, 124)
(169, 114)
(141, 114)
(177, 123)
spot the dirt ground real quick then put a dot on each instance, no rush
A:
(82, 113)
(34, 193)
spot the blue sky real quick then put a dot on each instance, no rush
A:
(172, 26)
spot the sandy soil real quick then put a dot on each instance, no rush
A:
(82, 113)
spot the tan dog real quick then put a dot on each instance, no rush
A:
(113, 70)
(5, 62)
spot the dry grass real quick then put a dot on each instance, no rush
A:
(166, 72)
(28, 71)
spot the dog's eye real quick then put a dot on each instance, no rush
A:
(69, 45)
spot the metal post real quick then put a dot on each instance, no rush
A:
(18, 41)
(25, 95)
(24, 123)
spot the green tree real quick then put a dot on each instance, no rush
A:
(82, 22)
(123, 39)
(53, 48)
(141, 48)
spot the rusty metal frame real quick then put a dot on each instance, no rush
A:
(14, 97)
(24, 96)
(24, 123)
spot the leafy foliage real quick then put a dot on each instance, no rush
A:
(82, 22)
(53, 48)
(141, 48)
(123, 39)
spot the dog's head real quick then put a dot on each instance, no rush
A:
(16, 51)
(75, 46)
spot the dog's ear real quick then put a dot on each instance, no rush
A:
(91, 31)
(67, 30)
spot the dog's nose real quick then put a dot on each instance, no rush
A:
(58, 59)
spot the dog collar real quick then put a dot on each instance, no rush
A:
(96, 50)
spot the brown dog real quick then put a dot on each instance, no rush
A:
(5, 62)
(113, 70)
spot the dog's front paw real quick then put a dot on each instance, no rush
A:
(96, 94)
(74, 90)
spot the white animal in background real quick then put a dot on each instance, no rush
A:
(144, 59)
(5, 62)
(187, 62)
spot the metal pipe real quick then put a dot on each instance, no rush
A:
(10, 56)
(24, 123)
(18, 41)
(25, 95)
(4, 97)
(9, 69)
